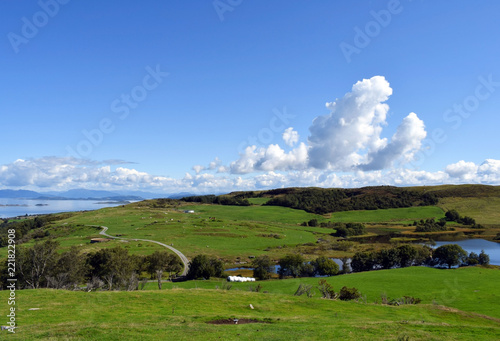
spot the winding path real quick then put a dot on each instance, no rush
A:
(183, 258)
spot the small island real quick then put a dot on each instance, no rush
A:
(13, 205)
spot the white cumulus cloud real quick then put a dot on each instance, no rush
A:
(271, 158)
(354, 124)
(347, 139)
(290, 136)
(404, 144)
(462, 170)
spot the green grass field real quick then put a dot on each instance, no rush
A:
(181, 314)
(235, 232)
(224, 231)
(485, 210)
(471, 289)
(457, 304)
(403, 215)
(258, 201)
(229, 232)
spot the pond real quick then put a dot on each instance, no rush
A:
(492, 249)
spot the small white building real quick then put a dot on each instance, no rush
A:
(188, 211)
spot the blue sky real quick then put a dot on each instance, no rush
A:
(166, 95)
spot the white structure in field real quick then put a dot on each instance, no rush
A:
(240, 279)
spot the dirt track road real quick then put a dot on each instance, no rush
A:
(183, 258)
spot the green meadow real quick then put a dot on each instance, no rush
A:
(456, 305)
(483, 209)
(225, 231)
(472, 289)
(403, 215)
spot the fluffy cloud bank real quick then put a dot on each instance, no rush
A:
(271, 158)
(347, 139)
(68, 173)
(486, 172)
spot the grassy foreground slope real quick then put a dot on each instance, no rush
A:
(182, 314)
(471, 289)
(462, 304)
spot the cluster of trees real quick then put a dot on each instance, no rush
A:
(25, 229)
(396, 257)
(453, 255)
(321, 201)
(218, 199)
(348, 230)
(41, 266)
(453, 215)
(409, 255)
(164, 203)
(313, 222)
(203, 266)
(294, 266)
(430, 225)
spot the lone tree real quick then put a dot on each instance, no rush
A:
(450, 254)
(388, 258)
(35, 263)
(324, 266)
(163, 261)
(262, 267)
(291, 265)
(483, 258)
(452, 215)
(407, 254)
(203, 266)
(115, 266)
(363, 261)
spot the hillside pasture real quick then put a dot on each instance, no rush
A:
(183, 314)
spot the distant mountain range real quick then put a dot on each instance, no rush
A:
(89, 194)
(79, 194)
(9, 193)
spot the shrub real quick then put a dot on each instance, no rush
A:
(258, 288)
(404, 300)
(313, 222)
(304, 289)
(348, 230)
(326, 290)
(347, 294)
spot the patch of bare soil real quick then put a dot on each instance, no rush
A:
(232, 321)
